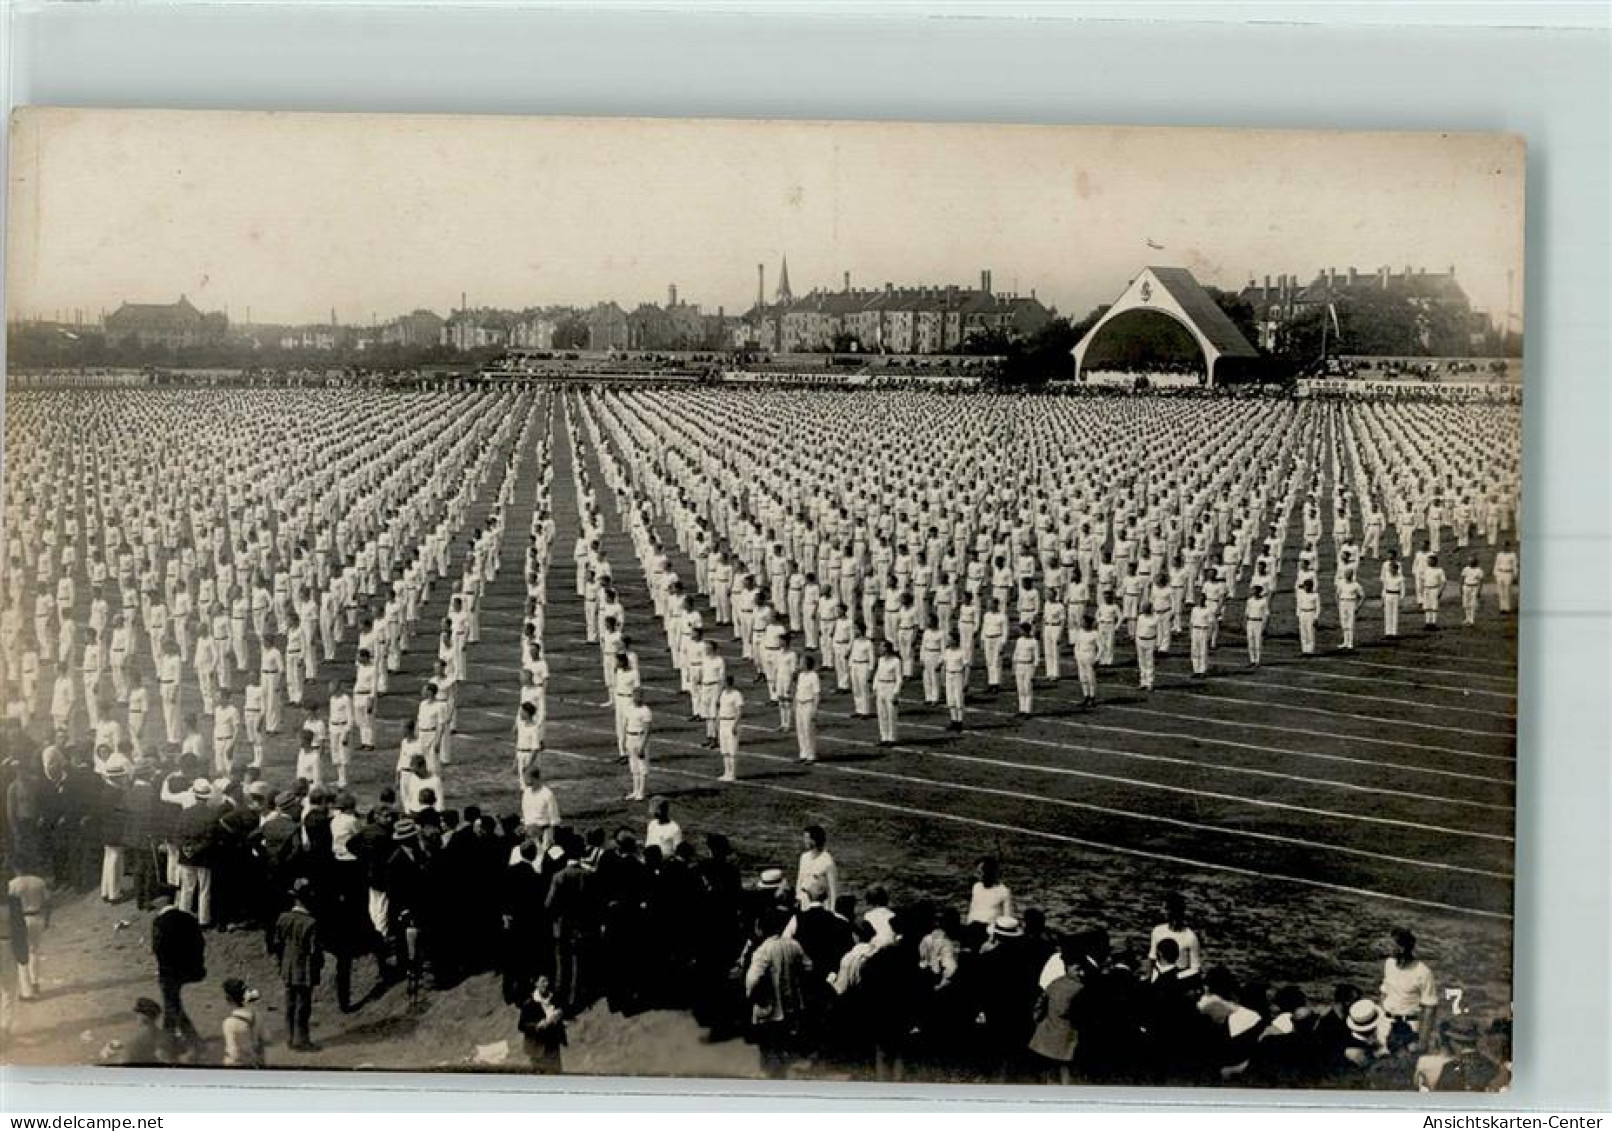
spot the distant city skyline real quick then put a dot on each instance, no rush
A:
(292, 215)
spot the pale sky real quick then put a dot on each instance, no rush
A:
(293, 214)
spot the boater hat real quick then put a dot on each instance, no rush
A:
(1364, 1017)
(1007, 927)
(405, 829)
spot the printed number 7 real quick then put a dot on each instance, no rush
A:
(1454, 994)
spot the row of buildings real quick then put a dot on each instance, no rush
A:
(908, 320)
(1279, 302)
(889, 319)
(605, 326)
(922, 319)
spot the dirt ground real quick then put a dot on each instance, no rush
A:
(96, 962)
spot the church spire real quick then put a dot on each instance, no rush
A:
(784, 294)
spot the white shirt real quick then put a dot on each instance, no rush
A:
(817, 865)
(414, 785)
(1191, 958)
(987, 904)
(664, 835)
(808, 688)
(1407, 990)
(539, 807)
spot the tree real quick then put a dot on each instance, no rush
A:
(572, 334)
(994, 341)
(1299, 340)
(1043, 356)
(1239, 310)
(1084, 326)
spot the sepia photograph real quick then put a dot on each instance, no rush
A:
(777, 600)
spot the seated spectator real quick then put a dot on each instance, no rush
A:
(148, 1046)
(1368, 1034)
(243, 1039)
(880, 915)
(849, 973)
(990, 900)
(1237, 1027)
(1457, 1063)
(1332, 1036)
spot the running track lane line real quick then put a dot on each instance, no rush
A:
(1506, 695)
(655, 689)
(1063, 838)
(1182, 688)
(1212, 767)
(1309, 733)
(1178, 716)
(1069, 804)
(1511, 676)
(1341, 715)
(1113, 811)
(1509, 715)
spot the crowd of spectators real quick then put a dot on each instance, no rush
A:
(813, 974)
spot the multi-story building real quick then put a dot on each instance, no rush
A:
(1277, 304)
(608, 328)
(924, 319)
(535, 329)
(649, 328)
(165, 324)
(420, 328)
(477, 329)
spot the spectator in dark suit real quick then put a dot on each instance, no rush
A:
(406, 896)
(570, 906)
(474, 867)
(239, 878)
(151, 821)
(823, 935)
(80, 823)
(1009, 969)
(889, 994)
(623, 887)
(198, 838)
(181, 954)
(341, 907)
(525, 932)
(301, 958)
(720, 930)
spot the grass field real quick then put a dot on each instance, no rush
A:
(1305, 808)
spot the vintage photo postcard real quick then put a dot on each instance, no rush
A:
(810, 600)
